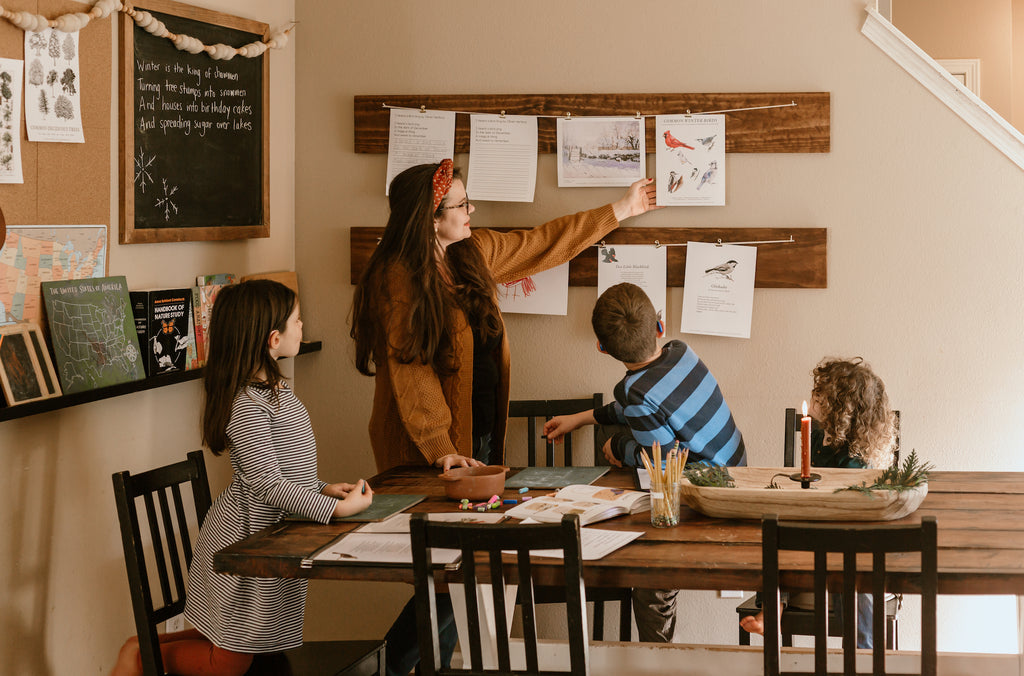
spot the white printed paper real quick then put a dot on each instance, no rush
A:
(416, 137)
(642, 264)
(53, 101)
(600, 151)
(544, 293)
(502, 158)
(718, 292)
(10, 120)
(690, 156)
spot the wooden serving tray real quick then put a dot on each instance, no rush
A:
(750, 499)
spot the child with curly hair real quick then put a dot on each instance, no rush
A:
(852, 426)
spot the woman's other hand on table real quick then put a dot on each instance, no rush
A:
(351, 500)
(446, 462)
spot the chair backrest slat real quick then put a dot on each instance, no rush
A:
(490, 542)
(169, 539)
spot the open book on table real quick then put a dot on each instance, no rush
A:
(592, 503)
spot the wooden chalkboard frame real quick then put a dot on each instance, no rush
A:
(129, 233)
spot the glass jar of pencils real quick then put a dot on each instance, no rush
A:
(665, 504)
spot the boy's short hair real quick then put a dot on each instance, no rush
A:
(625, 323)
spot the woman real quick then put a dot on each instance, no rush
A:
(426, 321)
(426, 324)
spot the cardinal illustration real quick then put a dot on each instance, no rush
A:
(708, 141)
(725, 269)
(674, 181)
(672, 142)
(708, 175)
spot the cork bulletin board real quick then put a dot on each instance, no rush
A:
(65, 183)
(194, 130)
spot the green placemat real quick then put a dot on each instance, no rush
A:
(555, 477)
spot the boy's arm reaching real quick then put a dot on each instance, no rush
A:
(560, 425)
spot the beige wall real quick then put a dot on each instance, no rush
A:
(924, 246)
(923, 221)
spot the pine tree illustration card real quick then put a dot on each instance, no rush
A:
(93, 333)
(53, 97)
(10, 120)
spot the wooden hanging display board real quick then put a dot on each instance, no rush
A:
(798, 264)
(800, 128)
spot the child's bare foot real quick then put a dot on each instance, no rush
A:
(129, 662)
(753, 624)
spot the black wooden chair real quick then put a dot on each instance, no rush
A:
(849, 540)
(537, 412)
(489, 541)
(800, 621)
(161, 492)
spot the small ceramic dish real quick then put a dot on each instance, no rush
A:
(474, 483)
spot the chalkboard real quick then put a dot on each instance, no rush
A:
(194, 152)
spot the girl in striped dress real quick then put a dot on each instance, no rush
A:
(251, 412)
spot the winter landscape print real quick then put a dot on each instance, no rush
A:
(600, 151)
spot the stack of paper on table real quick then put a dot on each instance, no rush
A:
(595, 543)
(592, 503)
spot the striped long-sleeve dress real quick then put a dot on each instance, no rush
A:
(273, 455)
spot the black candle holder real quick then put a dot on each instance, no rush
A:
(805, 481)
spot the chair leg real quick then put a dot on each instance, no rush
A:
(744, 636)
(598, 620)
(891, 635)
(787, 640)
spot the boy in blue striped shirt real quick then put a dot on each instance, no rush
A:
(668, 395)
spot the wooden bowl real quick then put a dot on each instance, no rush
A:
(474, 483)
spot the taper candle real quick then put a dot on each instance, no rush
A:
(805, 444)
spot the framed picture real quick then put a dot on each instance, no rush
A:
(26, 372)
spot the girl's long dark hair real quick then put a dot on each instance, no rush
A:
(409, 248)
(244, 315)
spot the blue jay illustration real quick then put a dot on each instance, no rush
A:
(708, 175)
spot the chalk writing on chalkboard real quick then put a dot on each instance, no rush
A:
(195, 130)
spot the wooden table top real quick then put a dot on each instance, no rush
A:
(980, 519)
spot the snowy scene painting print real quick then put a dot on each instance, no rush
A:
(600, 151)
(690, 156)
(53, 96)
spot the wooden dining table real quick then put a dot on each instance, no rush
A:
(980, 518)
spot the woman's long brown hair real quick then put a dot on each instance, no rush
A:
(243, 317)
(408, 248)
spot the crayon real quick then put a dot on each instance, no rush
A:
(524, 489)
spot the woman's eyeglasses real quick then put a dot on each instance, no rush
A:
(462, 205)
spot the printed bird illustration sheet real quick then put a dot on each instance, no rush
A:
(502, 158)
(645, 265)
(600, 151)
(10, 120)
(690, 158)
(416, 137)
(718, 292)
(545, 293)
(53, 87)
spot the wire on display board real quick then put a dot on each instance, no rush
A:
(657, 244)
(569, 116)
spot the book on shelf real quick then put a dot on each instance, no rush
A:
(592, 503)
(92, 331)
(162, 324)
(204, 293)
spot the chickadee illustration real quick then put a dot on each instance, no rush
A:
(725, 269)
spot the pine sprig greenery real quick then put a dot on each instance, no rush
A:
(912, 474)
(700, 474)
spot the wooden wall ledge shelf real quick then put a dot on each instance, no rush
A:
(68, 400)
(803, 128)
(800, 264)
